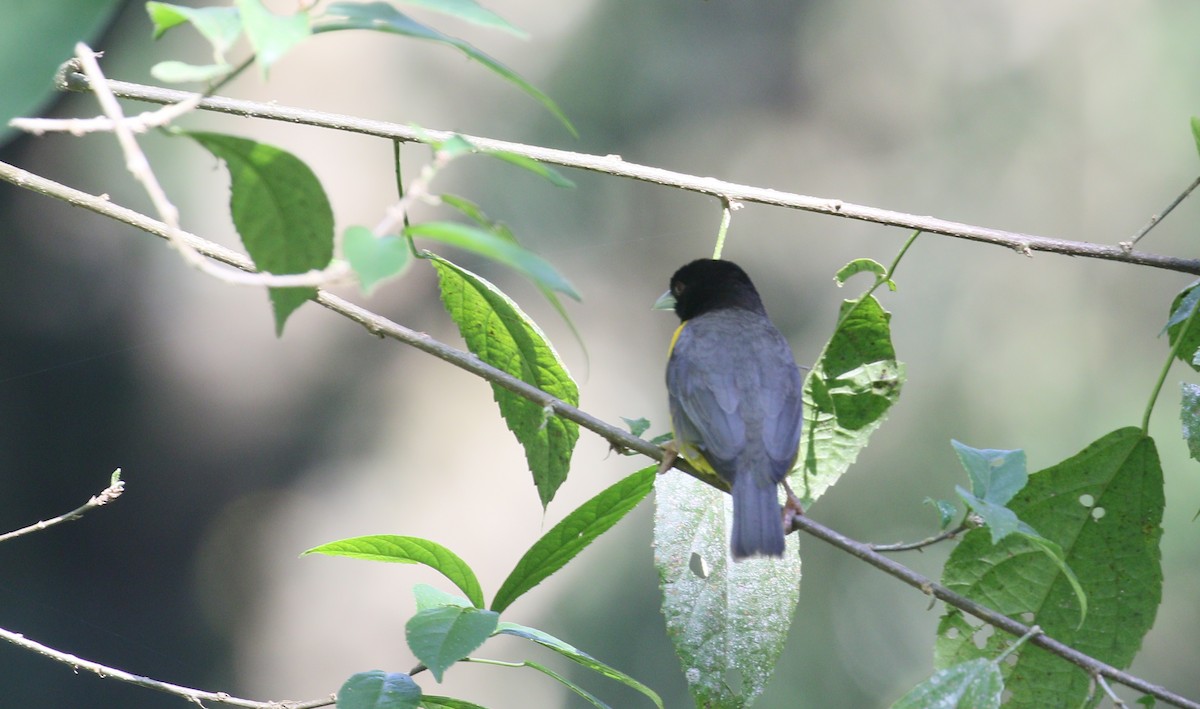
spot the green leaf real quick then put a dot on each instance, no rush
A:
(723, 618)
(1196, 132)
(578, 656)
(280, 211)
(430, 597)
(374, 259)
(499, 333)
(863, 265)
(537, 167)
(382, 17)
(470, 11)
(946, 510)
(476, 214)
(379, 690)
(221, 26)
(637, 426)
(442, 636)
(35, 39)
(408, 550)
(975, 684)
(846, 396)
(1189, 415)
(1182, 308)
(496, 248)
(272, 35)
(1103, 510)
(573, 535)
(173, 72)
(996, 475)
(1000, 520)
(433, 701)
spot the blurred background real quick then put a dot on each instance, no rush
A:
(241, 450)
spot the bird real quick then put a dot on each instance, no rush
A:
(734, 393)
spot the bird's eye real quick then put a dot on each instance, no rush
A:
(677, 289)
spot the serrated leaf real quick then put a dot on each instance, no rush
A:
(408, 550)
(576, 655)
(382, 17)
(846, 397)
(1103, 509)
(374, 259)
(173, 72)
(272, 35)
(470, 11)
(572, 535)
(280, 211)
(473, 212)
(1182, 308)
(496, 248)
(442, 636)
(996, 475)
(499, 333)
(730, 617)
(221, 26)
(377, 689)
(1189, 416)
(975, 684)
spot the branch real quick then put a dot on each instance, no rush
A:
(115, 487)
(619, 438)
(196, 696)
(70, 79)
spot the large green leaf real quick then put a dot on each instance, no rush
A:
(280, 211)
(408, 550)
(499, 333)
(724, 618)
(382, 17)
(846, 396)
(1103, 507)
(573, 535)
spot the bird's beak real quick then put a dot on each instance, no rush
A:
(666, 301)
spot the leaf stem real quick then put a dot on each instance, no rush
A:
(727, 208)
(1162, 375)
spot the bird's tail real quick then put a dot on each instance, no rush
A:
(757, 519)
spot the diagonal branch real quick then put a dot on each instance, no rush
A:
(619, 438)
(71, 79)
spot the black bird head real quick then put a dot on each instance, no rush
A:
(705, 285)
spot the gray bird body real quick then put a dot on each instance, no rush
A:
(735, 400)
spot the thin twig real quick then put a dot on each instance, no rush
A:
(1103, 683)
(113, 491)
(614, 165)
(619, 438)
(138, 166)
(196, 696)
(1154, 220)
(928, 541)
